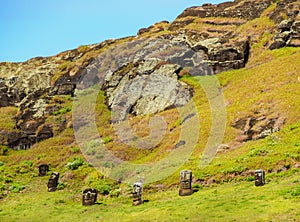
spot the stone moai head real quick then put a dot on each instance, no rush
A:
(53, 181)
(137, 193)
(185, 183)
(89, 197)
(43, 169)
(259, 178)
(186, 179)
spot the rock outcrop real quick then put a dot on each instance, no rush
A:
(249, 9)
(287, 16)
(212, 29)
(18, 80)
(258, 125)
(148, 88)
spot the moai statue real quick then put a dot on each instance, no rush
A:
(259, 178)
(43, 169)
(53, 181)
(185, 183)
(89, 197)
(137, 194)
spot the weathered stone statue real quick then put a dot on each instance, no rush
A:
(259, 177)
(43, 169)
(89, 197)
(53, 181)
(185, 183)
(137, 194)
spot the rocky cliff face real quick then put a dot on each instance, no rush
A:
(40, 87)
(155, 86)
(249, 9)
(18, 80)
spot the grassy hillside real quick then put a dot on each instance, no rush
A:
(231, 191)
(268, 86)
(241, 201)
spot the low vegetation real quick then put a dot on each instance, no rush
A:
(224, 190)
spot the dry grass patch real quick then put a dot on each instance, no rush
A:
(7, 121)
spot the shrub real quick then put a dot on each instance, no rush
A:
(250, 178)
(24, 167)
(104, 186)
(61, 185)
(197, 186)
(16, 187)
(75, 163)
(295, 192)
(115, 192)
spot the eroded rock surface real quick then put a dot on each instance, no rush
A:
(286, 15)
(258, 125)
(212, 30)
(250, 9)
(146, 80)
(150, 91)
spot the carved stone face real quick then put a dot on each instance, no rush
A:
(43, 169)
(89, 197)
(137, 194)
(259, 177)
(185, 183)
(186, 179)
(53, 181)
(137, 190)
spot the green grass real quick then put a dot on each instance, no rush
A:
(276, 201)
(270, 87)
(275, 153)
(269, 83)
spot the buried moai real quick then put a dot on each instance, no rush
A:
(53, 182)
(185, 183)
(89, 197)
(137, 194)
(43, 169)
(259, 177)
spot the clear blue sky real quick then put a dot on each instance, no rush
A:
(31, 28)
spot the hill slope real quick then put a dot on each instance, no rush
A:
(254, 59)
